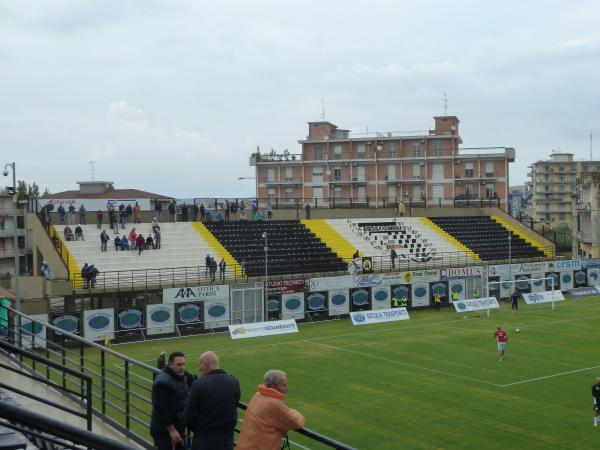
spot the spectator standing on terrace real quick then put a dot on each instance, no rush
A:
(227, 210)
(222, 268)
(129, 211)
(61, 214)
(157, 238)
(213, 269)
(92, 274)
(149, 242)
(132, 238)
(140, 243)
(82, 213)
(202, 210)
(45, 270)
(123, 215)
(103, 241)
(72, 214)
(211, 409)
(79, 233)
(169, 394)
(401, 209)
(195, 211)
(501, 338)
(117, 242)
(307, 209)
(137, 213)
(172, 211)
(99, 217)
(269, 212)
(393, 256)
(268, 418)
(84, 274)
(596, 398)
(112, 219)
(158, 210)
(155, 224)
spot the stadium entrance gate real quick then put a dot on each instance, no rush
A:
(247, 303)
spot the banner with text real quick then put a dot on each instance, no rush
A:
(160, 319)
(216, 313)
(292, 306)
(543, 297)
(339, 302)
(99, 323)
(584, 292)
(249, 330)
(476, 304)
(95, 204)
(218, 292)
(457, 273)
(379, 316)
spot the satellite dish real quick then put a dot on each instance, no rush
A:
(379, 147)
(328, 172)
(326, 137)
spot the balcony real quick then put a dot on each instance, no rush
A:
(11, 233)
(356, 181)
(281, 182)
(273, 157)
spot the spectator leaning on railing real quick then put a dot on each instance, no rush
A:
(268, 418)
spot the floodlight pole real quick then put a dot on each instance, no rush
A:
(264, 235)
(17, 270)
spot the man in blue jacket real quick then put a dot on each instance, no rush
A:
(169, 394)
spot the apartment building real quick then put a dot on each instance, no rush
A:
(337, 167)
(7, 232)
(586, 235)
(553, 184)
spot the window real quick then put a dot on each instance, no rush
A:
(546, 188)
(289, 193)
(416, 171)
(546, 177)
(271, 195)
(288, 174)
(562, 216)
(468, 170)
(561, 188)
(392, 192)
(562, 178)
(547, 217)
(361, 150)
(489, 168)
(337, 151)
(547, 168)
(318, 151)
(337, 192)
(392, 150)
(561, 169)
(437, 148)
(391, 172)
(416, 149)
(489, 190)
(337, 173)
(562, 207)
(469, 190)
(585, 168)
(271, 174)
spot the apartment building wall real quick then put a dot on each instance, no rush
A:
(586, 224)
(7, 232)
(384, 167)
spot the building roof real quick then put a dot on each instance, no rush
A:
(113, 193)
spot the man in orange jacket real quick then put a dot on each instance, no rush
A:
(268, 418)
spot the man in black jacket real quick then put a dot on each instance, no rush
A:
(211, 410)
(169, 394)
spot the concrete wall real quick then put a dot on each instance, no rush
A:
(44, 246)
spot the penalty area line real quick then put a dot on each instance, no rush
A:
(560, 374)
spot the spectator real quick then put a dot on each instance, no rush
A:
(92, 274)
(45, 270)
(222, 268)
(172, 211)
(269, 212)
(85, 275)
(79, 233)
(124, 243)
(227, 210)
(137, 213)
(401, 209)
(184, 212)
(112, 219)
(103, 241)
(202, 210)
(437, 299)
(254, 209)
(307, 209)
(158, 210)
(140, 242)
(244, 265)
(68, 233)
(207, 261)
(157, 238)
(149, 242)
(99, 217)
(117, 243)
(211, 409)
(72, 214)
(356, 255)
(195, 211)
(169, 394)
(82, 213)
(129, 212)
(132, 238)
(213, 269)
(61, 213)
(155, 225)
(393, 256)
(123, 216)
(268, 418)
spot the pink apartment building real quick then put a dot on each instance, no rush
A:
(339, 168)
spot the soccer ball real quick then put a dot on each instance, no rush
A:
(517, 329)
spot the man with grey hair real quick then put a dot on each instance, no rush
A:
(211, 409)
(268, 418)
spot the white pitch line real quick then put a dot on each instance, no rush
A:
(548, 376)
(414, 366)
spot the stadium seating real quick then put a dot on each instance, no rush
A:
(291, 247)
(486, 237)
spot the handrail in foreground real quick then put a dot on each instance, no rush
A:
(101, 369)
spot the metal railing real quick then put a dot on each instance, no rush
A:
(121, 386)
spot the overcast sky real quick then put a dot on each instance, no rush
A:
(173, 96)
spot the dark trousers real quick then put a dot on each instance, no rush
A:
(514, 305)
(221, 441)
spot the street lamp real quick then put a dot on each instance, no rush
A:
(264, 236)
(246, 178)
(16, 239)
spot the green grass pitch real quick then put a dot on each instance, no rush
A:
(432, 382)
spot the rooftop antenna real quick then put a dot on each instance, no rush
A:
(323, 109)
(92, 170)
(445, 104)
(591, 142)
